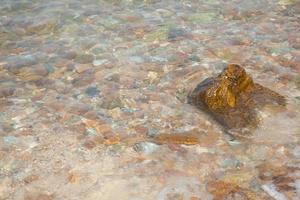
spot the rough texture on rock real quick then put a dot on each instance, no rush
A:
(232, 99)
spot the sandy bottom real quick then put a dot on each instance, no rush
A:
(85, 86)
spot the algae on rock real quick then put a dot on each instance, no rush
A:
(232, 98)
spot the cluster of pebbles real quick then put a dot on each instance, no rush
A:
(99, 99)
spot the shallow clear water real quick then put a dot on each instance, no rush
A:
(86, 85)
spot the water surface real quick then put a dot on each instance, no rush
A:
(85, 86)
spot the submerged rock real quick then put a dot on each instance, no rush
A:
(33, 73)
(175, 33)
(232, 98)
(42, 26)
(145, 147)
(6, 91)
(92, 91)
(15, 63)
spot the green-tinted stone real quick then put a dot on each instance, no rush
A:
(111, 103)
(84, 58)
(286, 2)
(157, 35)
(45, 26)
(109, 22)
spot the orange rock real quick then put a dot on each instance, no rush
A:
(104, 134)
(93, 142)
(98, 125)
(139, 33)
(103, 128)
(90, 123)
(195, 198)
(78, 128)
(73, 177)
(31, 178)
(114, 139)
(232, 98)
(175, 139)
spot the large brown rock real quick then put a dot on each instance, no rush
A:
(232, 98)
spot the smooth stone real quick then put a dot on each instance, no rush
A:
(145, 147)
(15, 63)
(204, 17)
(286, 2)
(164, 12)
(159, 34)
(10, 140)
(49, 68)
(84, 58)
(92, 91)
(68, 54)
(112, 77)
(127, 110)
(111, 103)
(136, 59)
(32, 73)
(176, 32)
(82, 67)
(42, 26)
(97, 63)
(6, 91)
(84, 79)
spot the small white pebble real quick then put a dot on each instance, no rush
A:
(97, 63)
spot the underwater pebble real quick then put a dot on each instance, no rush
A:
(97, 63)
(82, 67)
(10, 140)
(151, 132)
(92, 91)
(145, 147)
(15, 63)
(94, 100)
(176, 32)
(230, 163)
(6, 91)
(42, 26)
(84, 58)
(136, 59)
